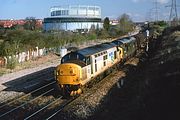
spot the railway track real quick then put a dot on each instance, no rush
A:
(51, 109)
(23, 107)
(41, 99)
(26, 103)
(36, 105)
(60, 108)
(27, 83)
(47, 111)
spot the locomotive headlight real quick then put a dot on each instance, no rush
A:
(57, 73)
(61, 72)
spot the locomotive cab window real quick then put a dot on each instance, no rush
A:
(104, 63)
(62, 61)
(88, 61)
(105, 57)
(118, 49)
(95, 66)
(115, 55)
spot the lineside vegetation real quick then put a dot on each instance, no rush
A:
(18, 39)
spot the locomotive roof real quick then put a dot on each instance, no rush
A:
(83, 54)
(95, 49)
(124, 40)
(117, 42)
(127, 40)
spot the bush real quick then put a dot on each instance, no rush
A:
(92, 36)
(11, 62)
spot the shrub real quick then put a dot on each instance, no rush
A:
(11, 62)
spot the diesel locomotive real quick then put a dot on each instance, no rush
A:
(79, 67)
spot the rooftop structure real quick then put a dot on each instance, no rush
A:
(73, 17)
(76, 11)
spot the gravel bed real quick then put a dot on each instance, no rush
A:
(7, 96)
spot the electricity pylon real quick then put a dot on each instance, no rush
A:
(173, 18)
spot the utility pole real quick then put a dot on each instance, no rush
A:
(173, 18)
(148, 16)
(156, 10)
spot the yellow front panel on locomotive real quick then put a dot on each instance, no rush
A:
(68, 74)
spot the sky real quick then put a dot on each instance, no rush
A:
(138, 10)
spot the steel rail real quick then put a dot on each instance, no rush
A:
(54, 114)
(40, 76)
(43, 108)
(26, 103)
(61, 108)
(28, 94)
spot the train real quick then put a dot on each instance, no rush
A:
(79, 67)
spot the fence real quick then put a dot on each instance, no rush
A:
(28, 55)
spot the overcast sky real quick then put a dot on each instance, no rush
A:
(139, 10)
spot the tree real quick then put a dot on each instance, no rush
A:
(114, 31)
(106, 24)
(1, 27)
(30, 23)
(102, 34)
(93, 28)
(17, 27)
(13, 42)
(161, 23)
(125, 23)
